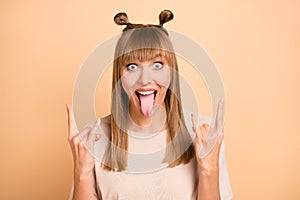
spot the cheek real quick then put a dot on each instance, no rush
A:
(163, 78)
(129, 81)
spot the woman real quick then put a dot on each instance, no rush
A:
(146, 102)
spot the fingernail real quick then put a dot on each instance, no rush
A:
(98, 121)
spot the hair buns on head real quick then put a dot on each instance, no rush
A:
(121, 19)
(165, 16)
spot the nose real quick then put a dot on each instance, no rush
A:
(145, 76)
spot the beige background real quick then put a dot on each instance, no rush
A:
(255, 45)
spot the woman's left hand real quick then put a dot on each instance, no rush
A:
(210, 163)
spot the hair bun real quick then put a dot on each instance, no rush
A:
(165, 16)
(121, 19)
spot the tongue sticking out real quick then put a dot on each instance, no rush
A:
(147, 103)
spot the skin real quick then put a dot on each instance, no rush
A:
(144, 77)
(84, 182)
(208, 185)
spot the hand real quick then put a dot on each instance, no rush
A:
(210, 163)
(82, 145)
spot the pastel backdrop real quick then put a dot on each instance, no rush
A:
(254, 44)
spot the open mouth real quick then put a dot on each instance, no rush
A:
(146, 99)
(141, 94)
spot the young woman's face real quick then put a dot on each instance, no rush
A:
(146, 83)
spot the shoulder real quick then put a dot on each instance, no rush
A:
(105, 121)
(105, 125)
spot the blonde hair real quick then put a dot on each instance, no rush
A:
(143, 42)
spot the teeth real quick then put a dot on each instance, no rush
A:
(146, 92)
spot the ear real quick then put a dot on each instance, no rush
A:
(165, 16)
(121, 19)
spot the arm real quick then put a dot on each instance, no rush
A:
(208, 180)
(208, 185)
(219, 178)
(85, 187)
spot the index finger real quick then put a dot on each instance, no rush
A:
(73, 130)
(220, 115)
(194, 123)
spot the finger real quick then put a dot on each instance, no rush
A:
(197, 144)
(84, 134)
(84, 139)
(206, 127)
(92, 134)
(73, 130)
(219, 142)
(204, 133)
(198, 137)
(221, 137)
(196, 140)
(98, 136)
(193, 120)
(219, 116)
(195, 124)
(217, 147)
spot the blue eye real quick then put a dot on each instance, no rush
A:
(132, 67)
(158, 65)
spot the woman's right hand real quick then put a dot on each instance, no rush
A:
(82, 146)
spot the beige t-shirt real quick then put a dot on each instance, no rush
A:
(154, 181)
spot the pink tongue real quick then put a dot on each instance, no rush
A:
(147, 103)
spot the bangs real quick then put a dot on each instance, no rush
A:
(146, 54)
(143, 44)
